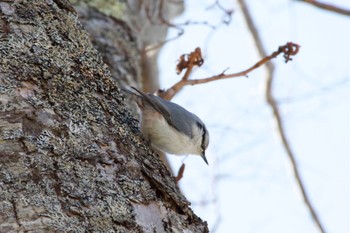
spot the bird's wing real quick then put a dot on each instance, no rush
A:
(174, 114)
(155, 104)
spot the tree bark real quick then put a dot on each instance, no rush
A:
(71, 155)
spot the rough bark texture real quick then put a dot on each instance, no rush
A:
(129, 57)
(71, 158)
(115, 41)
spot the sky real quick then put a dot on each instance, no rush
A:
(249, 186)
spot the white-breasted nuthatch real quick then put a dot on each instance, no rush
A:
(170, 127)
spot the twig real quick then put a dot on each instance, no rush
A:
(328, 7)
(180, 26)
(180, 173)
(228, 12)
(195, 59)
(274, 106)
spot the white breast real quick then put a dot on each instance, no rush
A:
(166, 138)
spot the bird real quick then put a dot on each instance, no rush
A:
(170, 127)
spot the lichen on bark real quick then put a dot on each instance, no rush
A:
(71, 157)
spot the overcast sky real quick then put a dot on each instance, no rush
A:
(249, 183)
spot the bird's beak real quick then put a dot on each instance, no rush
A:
(204, 158)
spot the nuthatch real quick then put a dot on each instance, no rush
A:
(170, 127)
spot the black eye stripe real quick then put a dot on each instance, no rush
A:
(200, 126)
(203, 139)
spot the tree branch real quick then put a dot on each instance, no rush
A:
(274, 106)
(189, 61)
(328, 7)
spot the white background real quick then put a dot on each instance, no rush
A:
(249, 186)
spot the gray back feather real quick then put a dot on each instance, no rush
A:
(174, 114)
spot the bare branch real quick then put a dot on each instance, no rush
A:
(194, 59)
(274, 106)
(328, 7)
(180, 173)
(228, 12)
(180, 26)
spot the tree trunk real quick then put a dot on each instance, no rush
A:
(71, 156)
